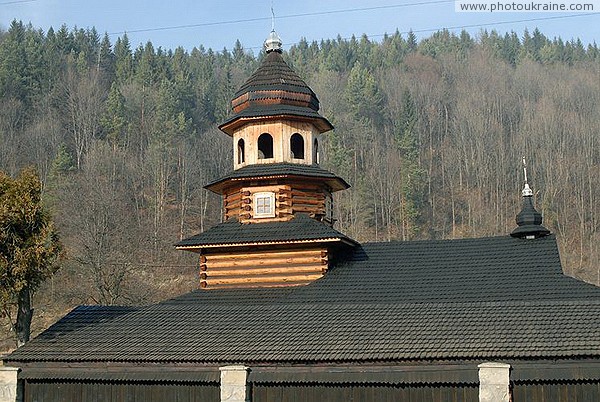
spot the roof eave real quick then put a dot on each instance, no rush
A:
(217, 187)
(235, 122)
(198, 247)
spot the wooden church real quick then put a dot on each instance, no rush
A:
(290, 309)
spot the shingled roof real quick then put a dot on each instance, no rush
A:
(274, 74)
(273, 90)
(279, 170)
(301, 228)
(497, 297)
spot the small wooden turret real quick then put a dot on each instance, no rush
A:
(277, 201)
(276, 128)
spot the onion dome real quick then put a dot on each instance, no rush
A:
(273, 43)
(274, 90)
(529, 220)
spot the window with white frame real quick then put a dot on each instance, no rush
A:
(264, 205)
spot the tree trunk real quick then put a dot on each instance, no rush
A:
(24, 316)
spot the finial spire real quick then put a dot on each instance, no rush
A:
(272, 18)
(527, 192)
(273, 42)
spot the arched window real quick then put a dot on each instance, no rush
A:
(316, 152)
(297, 146)
(265, 146)
(240, 151)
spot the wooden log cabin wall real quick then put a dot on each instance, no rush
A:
(266, 268)
(290, 199)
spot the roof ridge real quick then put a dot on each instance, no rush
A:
(464, 239)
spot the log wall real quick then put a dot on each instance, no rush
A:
(262, 268)
(289, 200)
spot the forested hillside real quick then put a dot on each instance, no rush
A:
(429, 133)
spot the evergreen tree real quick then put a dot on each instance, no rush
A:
(412, 189)
(65, 40)
(14, 79)
(364, 97)
(510, 48)
(106, 59)
(411, 42)
(146, 65)
(123, 59)
(114, 119)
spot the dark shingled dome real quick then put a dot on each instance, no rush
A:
(529, 221)
(275, 89)
(274, 79)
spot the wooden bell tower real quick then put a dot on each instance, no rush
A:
(277, 202)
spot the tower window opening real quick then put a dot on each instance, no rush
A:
(297, 146)
(316, 151)
(265, 146)
(264, 205)
(329, 209)
(240, 151)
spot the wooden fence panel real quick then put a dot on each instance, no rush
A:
(119, 391)
(580, 391)
(363, 393)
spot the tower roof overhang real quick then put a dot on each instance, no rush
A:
(278, 171)
(275, 112)
(301, 230)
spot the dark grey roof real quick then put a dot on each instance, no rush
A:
(299, 228)
(285, 169)
(489, 298)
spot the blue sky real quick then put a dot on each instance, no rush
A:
(253, 20)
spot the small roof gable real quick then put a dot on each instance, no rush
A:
(498, 297)
(301, 228)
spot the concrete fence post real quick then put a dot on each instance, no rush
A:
(9, 386)
(234, 387)
(494, 382)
